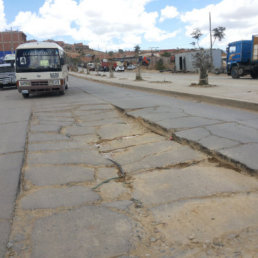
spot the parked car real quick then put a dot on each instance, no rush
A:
(120, 68)
(91, 66)
(131, 67)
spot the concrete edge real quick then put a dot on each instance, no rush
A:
(213, 100)
(225, 160)
(19, 185)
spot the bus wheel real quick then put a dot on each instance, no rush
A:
(25, 95)
(62, 92)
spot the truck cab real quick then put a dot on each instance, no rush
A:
(241, 58)
(238, 57)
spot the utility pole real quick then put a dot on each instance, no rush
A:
(211, 59)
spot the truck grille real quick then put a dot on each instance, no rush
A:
(39, 83)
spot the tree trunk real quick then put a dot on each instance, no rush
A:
(203, 77)
(138, 73)
(111, 73)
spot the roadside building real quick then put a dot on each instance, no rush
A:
(184, 62)
(9, 41)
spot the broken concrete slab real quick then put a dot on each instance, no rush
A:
(119, 205)
(235, 132)
(245, 154)
(58, 175)
(91, 231)
(165, 186)
(106, 173)
(186, 122)
(97, 115)
(54, 146)
(119, 130)
(78, 130)
(85, 156)
(46, 137)
(45, 128)
(156, 155)
(205, 139)
(129, 141)
(51, 198)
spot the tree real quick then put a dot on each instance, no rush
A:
(160, 65)
(202, 59)
(138, 69)
(218, 33)
(196, 34)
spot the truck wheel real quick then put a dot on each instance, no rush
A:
(25, 95)
(234, 72)
(254, 74)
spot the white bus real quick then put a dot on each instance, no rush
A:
(40, 67)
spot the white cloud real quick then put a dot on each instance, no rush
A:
(239, 17)
(169, 12)
(2, 16)
(103, 24)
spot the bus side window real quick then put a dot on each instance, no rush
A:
(62, 58)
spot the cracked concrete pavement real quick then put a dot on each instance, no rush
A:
(228, 133)
(173, 200)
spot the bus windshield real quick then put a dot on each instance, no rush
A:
(38, 60)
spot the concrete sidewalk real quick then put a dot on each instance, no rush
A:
(241, 93)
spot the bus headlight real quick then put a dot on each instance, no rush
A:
(54, 82)
(24, 83)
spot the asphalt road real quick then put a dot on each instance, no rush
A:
(14, 117)
(222, 131)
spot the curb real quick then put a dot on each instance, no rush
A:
(213, 100)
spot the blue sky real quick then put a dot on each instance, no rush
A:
(114, 24)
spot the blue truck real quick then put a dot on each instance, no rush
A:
(242, 58)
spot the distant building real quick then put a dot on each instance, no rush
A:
(184, 62)
(9, 41)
